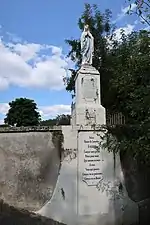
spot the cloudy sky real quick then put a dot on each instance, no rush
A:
(33, 51)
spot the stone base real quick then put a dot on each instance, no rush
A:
(88, 187)
(87, 192)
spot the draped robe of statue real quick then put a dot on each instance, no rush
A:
(87, 46)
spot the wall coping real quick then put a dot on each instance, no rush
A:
(29, 129)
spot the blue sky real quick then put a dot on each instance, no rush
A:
(33, 50)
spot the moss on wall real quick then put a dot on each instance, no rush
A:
(58, 139)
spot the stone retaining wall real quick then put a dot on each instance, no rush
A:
(12, 216)
(29, 165)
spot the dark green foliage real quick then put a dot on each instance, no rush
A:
(130, 139)
(4, 125)
(63, 119)
(49, 122)
(70, 84)
(22, 112)
(131, 79)
(59, 120)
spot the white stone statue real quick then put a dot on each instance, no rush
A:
(87, 46)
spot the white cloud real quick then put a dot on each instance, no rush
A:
(32, 65)
(52, 111)
(26, 51)
(56, 50)
(124, 11)
(4, 108)
(130, 7)
(127, 30)
(1, 121)
(13, 37)
(117, 33)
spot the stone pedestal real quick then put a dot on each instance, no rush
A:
(88, 187)
(83, 191)
(87, 109)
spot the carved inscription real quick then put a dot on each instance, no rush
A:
(89, 88)
(92, 159)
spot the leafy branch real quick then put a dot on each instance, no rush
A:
(142, 10)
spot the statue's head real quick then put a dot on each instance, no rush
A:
(86, 27)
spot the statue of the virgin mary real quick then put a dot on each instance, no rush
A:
(87, 46)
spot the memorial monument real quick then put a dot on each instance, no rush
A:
(88, 191)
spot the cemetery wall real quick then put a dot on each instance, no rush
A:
(29, 165)
(30, 159)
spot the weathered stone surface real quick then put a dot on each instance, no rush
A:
(89, 88)
(29, 165)
(29, 129)
(75, 201)
(88, 109)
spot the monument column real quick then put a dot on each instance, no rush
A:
(86, 191)
(88, 109)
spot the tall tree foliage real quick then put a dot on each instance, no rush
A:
(59, 120)
(22, 112)
(131, 69)
(142, 9)
(63, 119)
(101, 28)
(49, 122)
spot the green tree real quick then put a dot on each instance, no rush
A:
(63, 119)
(49, 122)
(22, 112)
(131, 77)
(132, 81)
(102, 29)
(142, 9)
(4, 125)
(59, 120)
